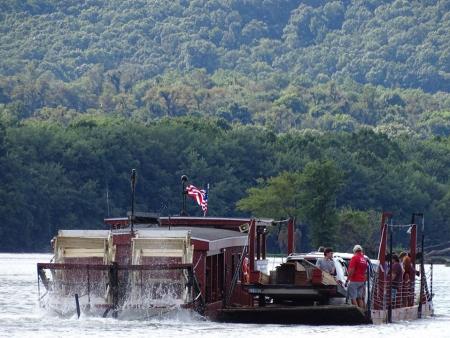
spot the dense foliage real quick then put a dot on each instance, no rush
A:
(59, 176)
(382, 42)
(343, 105)
(329, 65)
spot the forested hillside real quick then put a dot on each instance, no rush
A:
(282, 64)
(382, 42)
(241, 94)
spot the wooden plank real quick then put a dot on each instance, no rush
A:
(80, 242)
(161, 253)
(83, 252)
(161, 244)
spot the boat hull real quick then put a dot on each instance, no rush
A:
(316, 315)
(402, 314)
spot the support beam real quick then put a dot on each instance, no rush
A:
(258, 246)
(263, 245)
(413, 244)
(251, 245)
(291, 244)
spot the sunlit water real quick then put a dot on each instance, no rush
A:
(20, 315)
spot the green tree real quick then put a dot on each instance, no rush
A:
(358, 227)
(319, 185)
(277, 197)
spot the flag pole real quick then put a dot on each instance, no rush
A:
(184, 179)
(206, 198)
(133, 188)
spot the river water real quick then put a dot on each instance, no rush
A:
(20, 315)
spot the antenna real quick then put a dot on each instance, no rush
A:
(184, 179)
(133, 188)
(107, 198)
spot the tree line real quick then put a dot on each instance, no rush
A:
(327, 111)
(274, 102)
(71, 175)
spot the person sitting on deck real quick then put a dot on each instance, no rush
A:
(357, 276)
(327, 264)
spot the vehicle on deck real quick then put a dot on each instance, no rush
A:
(312, 257)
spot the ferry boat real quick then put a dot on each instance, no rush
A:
(145, 265)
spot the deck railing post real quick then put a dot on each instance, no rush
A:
(77, 305)
(88, 286)
(391, 233)
(258, 245)
(369, 303)
(114, 287)
(422, 270)
(291, 245)
(133, 190)
(39, 286)
(184, 179)
(142, 284)
(263, 244)
(431, 280)
(251, 246)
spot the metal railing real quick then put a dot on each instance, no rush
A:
(388, 295)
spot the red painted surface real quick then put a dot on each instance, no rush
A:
(379, 290)
(123, 248)
(383, 243)
(251, 245)
(199, 263)
(316, 276)
(200, 245)
(240, 296)
(212, 309)
(413, 244)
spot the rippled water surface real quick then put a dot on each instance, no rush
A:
(20, 315)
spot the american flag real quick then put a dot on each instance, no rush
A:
(200, 195)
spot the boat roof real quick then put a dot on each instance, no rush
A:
(212, 234)
(203, 238)
(214, 222)
(213, 239)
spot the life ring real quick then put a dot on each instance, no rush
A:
(246, 270)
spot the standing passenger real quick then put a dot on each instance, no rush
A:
(408, 278)
(397, 281)
(357, 276)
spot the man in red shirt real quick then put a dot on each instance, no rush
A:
(357, 276)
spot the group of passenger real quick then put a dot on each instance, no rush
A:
(402, 276)
(402, 279)
(357, 270)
